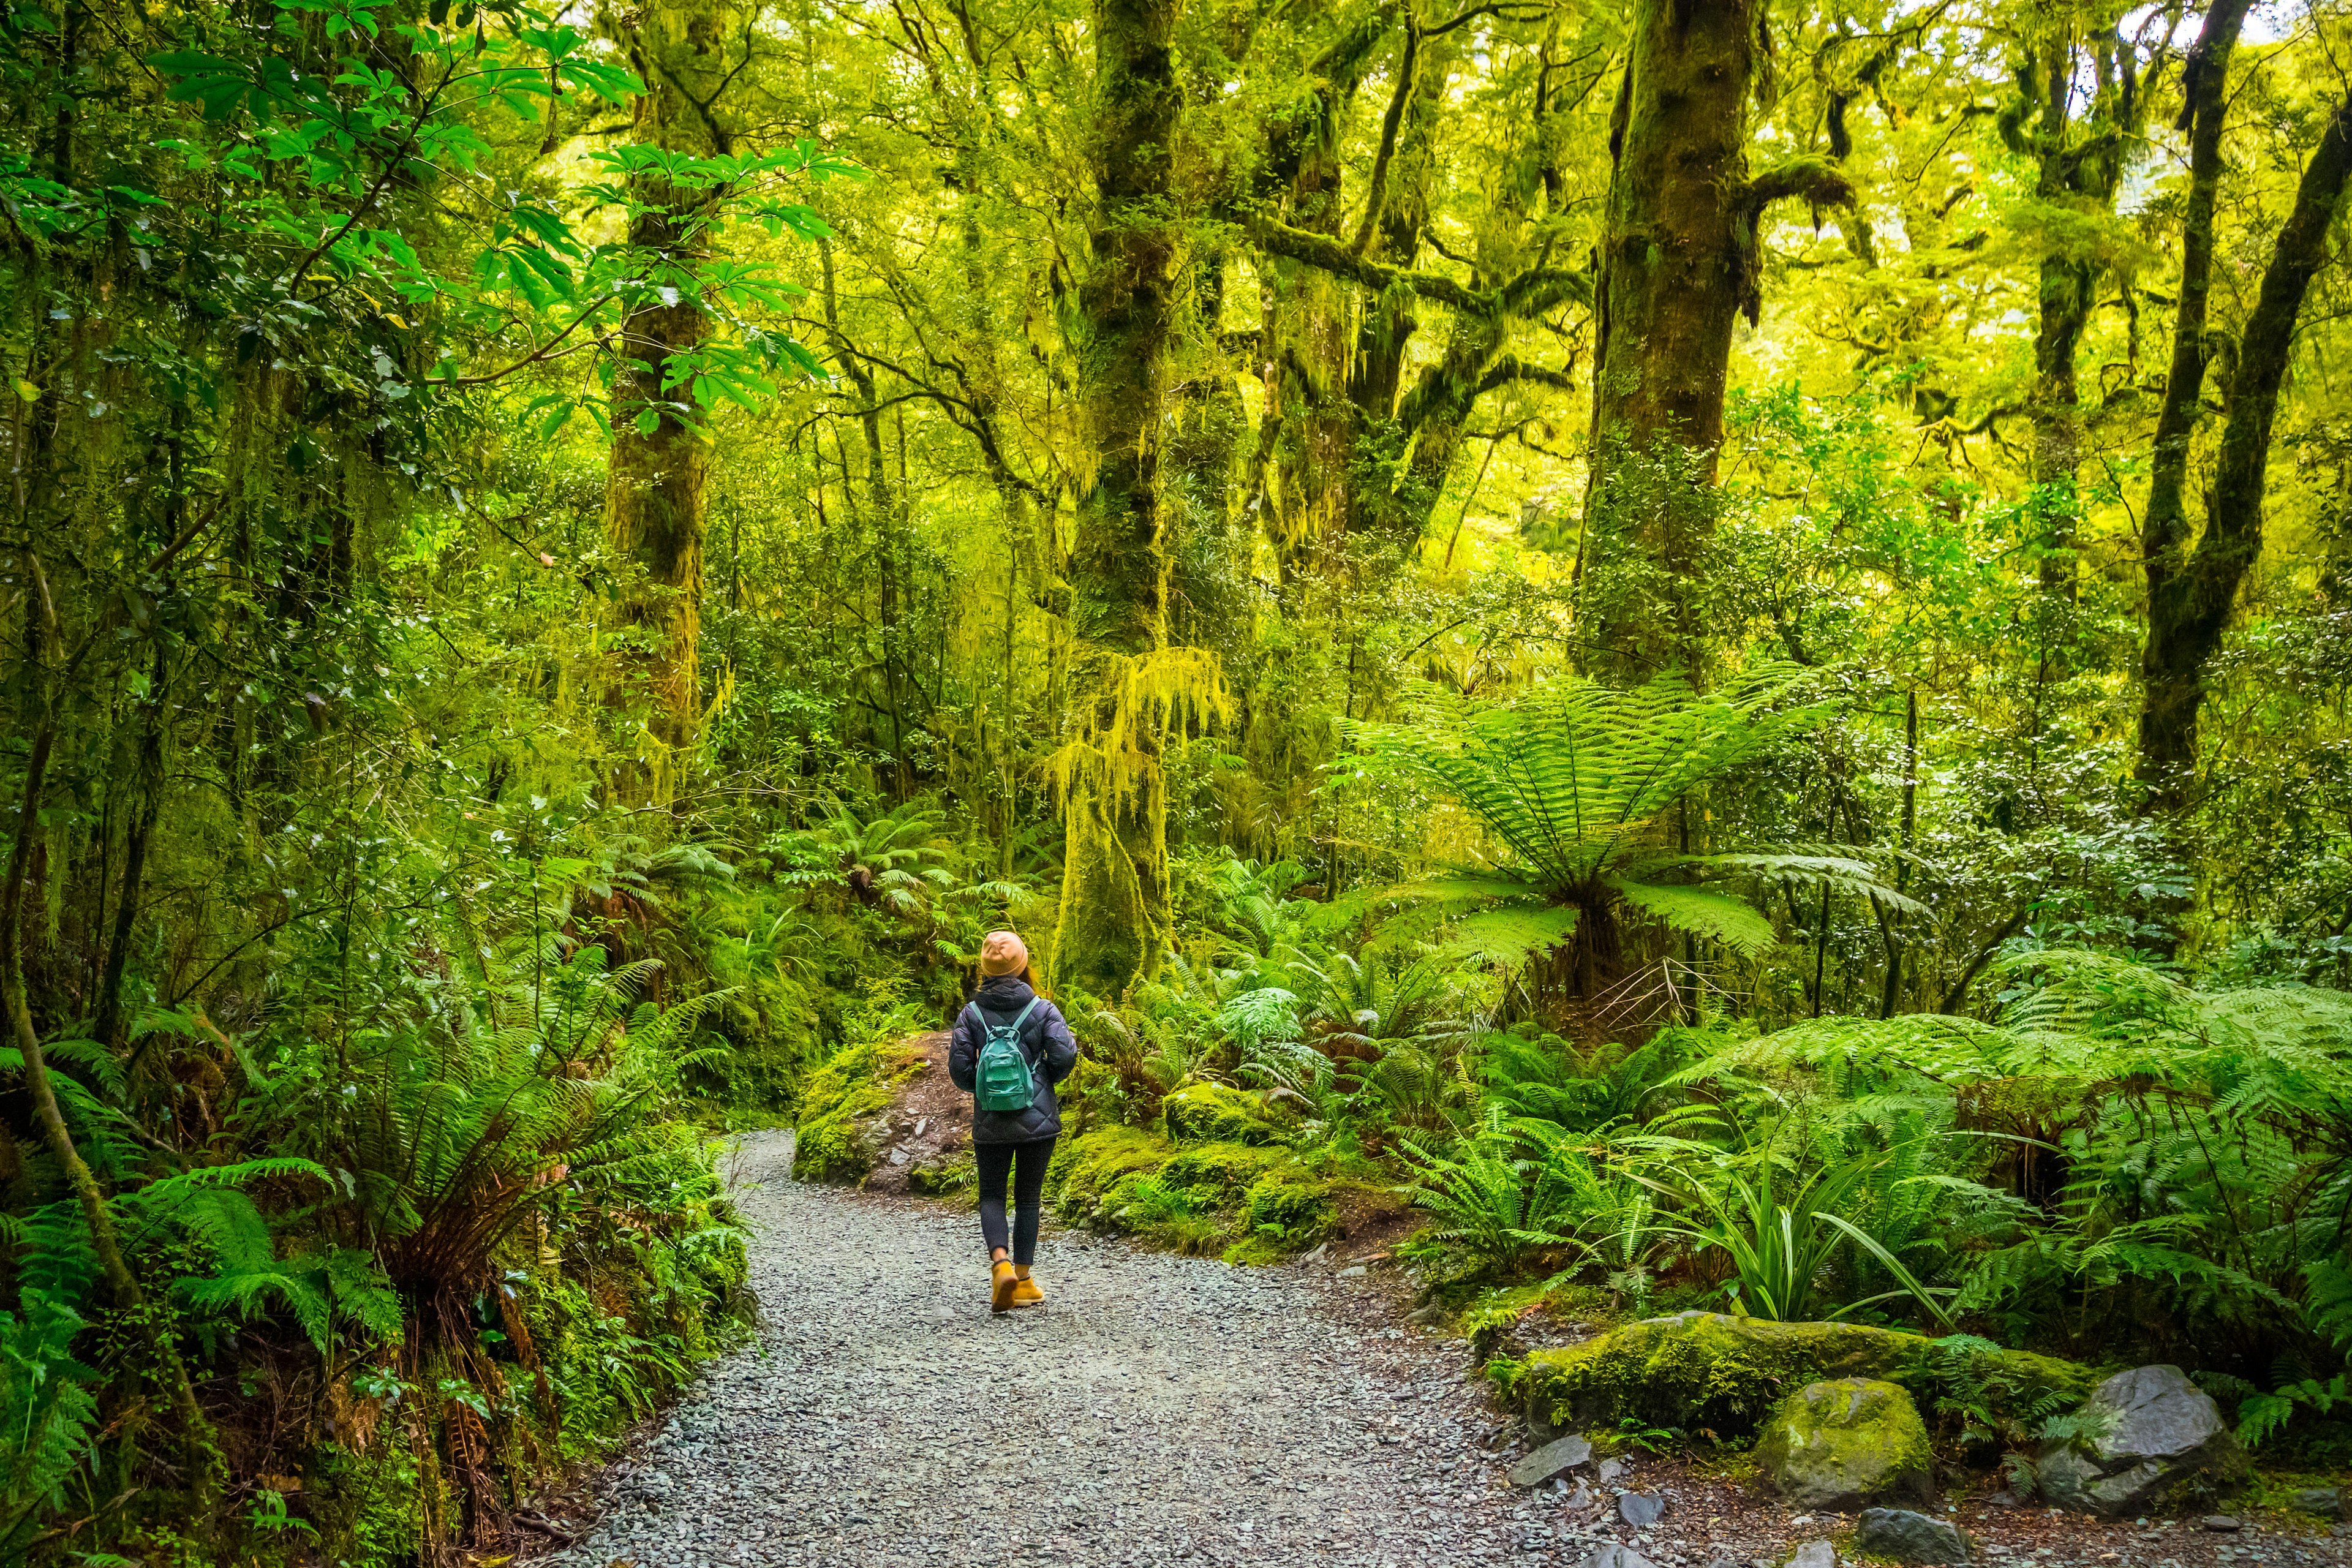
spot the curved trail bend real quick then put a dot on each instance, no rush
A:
(1155, 1410)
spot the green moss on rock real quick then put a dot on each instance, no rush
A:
(1288, 1208)
(1706, 1370)
(1220, 1113)
(1847, 1444)
(952, 1175)
(839, 1100)
(1219, 1172)
(1086, 1169)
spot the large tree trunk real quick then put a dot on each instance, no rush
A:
(2190, 593)
(1678, 268)
(1114, 909)
(1676, 263)
(655, 490)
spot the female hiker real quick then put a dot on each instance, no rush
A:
(1010, 1049)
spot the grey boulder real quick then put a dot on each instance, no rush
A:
(2147, 1432)
(1554, 1458)
(2328, 1502)
(1909, 1537)
(1814, 1554)
(1641, 1509)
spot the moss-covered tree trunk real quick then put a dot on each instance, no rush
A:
(1115, 896)
(656, 494)
(1304, 468)
(1677, 268)
(2190, 591)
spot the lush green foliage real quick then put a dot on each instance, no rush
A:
(558, 578)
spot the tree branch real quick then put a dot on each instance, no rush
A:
(1331, 256)
(1510, 368)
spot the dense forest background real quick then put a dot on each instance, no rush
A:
(1600, 604)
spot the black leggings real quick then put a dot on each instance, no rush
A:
(1026, 1163)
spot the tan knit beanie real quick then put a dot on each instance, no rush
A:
(1001, 953)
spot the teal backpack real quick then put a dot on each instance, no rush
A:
(1000, 1078)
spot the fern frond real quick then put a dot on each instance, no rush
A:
(1700, 912)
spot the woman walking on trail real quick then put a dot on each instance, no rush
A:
(1011, 1047)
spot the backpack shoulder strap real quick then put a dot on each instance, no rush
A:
(1026, 1011)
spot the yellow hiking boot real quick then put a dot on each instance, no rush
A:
(1026, 1292)
(1001, 1286)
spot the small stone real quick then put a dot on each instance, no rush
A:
(1719, 1558)
(1910, 1537)
(1641, 1509)
(1583, 1497)
(2328, 1502)
(1554, 1458)
(1814, 1554)
(2222, 1524)
(1609, 1554)
(1611, 1470)
(1353, 1271)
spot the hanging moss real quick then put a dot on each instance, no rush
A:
(1111, 781)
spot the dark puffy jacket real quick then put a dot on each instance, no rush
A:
(1044, 1038)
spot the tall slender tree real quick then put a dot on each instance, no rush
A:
(2192, 583)
(688, 54)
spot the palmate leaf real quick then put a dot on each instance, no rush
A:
(1700, 912)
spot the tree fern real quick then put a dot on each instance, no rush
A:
(1575, 783)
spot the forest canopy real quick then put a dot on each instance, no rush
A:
(1571, 604)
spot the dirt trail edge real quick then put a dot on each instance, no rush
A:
(1155, 1409)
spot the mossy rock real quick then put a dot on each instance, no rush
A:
(1706, 1370)
(840, 1098)
(948, 1175)
(1220, 1113)
(1289, 1205)
(1847, 1444)
(1219, 1172)
(1086, 1169)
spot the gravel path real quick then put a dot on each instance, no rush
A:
(1155, 1409)
(1159, 1410)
